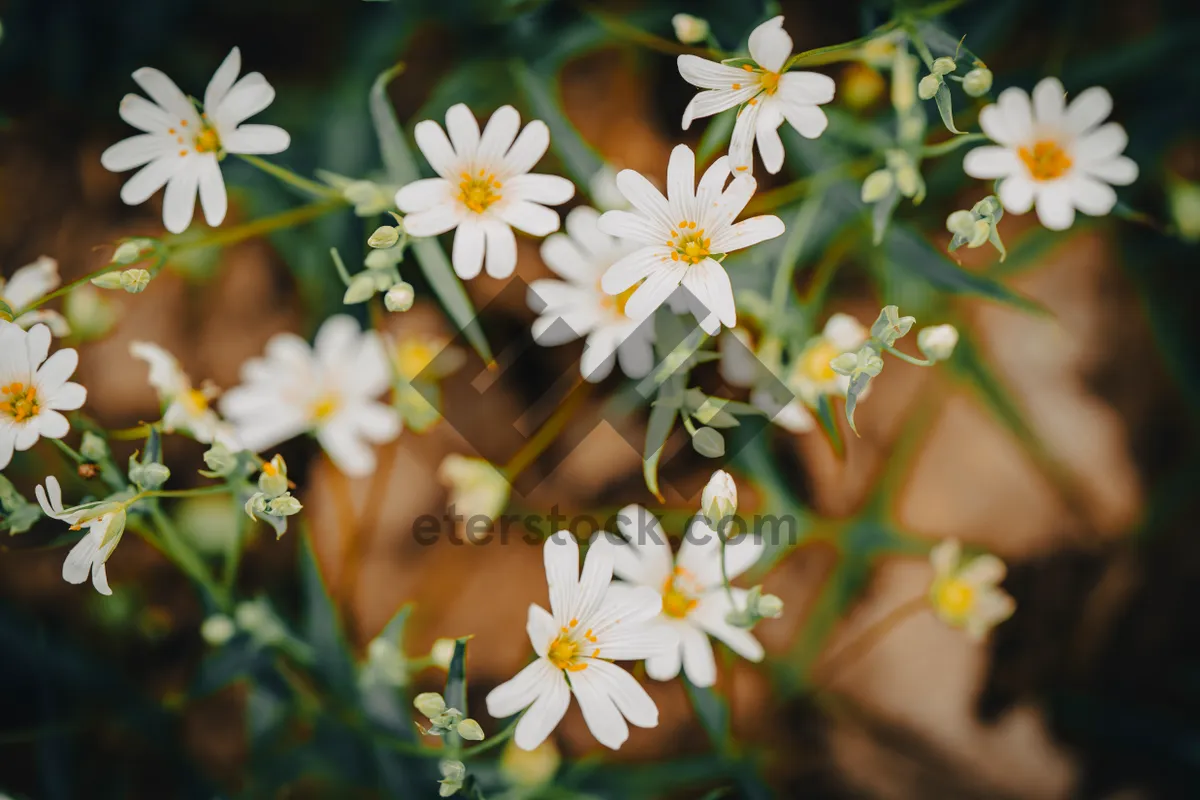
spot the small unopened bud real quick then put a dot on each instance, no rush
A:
(469, 729)
(908, 180)
(769, 607)
(943, 66)
(938, 341)
(980, 232)
(400, 297)
(383, 259)
(93, 447)
(977, 82)
(127, 253)
(453, 775)
(719, 499)
(988, 207)
(890, 326)
(135, 281)
(929, 86)
(285, 506)
(149, 476)
(385, 236)
(961, 223)
(360, 290)
(877, 185)
(220, 460)
(689, 29)
(109, 280)
(446, 720)
(217, 630)
(708, 443)
(431, 704)
(273, 480)
(845, 364)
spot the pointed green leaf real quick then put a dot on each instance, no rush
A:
(829, 425)
(578, 157)
(322, 629)
(945, 107)
(858, 385)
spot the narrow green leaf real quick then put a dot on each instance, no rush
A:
(662, 421)
(858, 385)
(6, 312)
(456, 677)
(322, 629)
(881, 215)
(829, 425)
(712, 711)
(578, 157)
(402, 168)
(945, 107)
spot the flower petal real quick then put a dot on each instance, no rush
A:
(541, 630)
(741, 155)
(1049, 102)
(770, 146)
(599, 711)
(806, 88)
(1088, 109)
(944, 556)
(37, 345)
(134, 152)
(659, 284)
(747, 233)
(1102, 144)
(528, 149)
(991, 162)
(631, 226)
(545, 713)
(435, 220)
(349, 453)
(714, 101)
(223, 79)
(78, 564)
(984, 570)
(770, 45)
(710, 614)
(463, 129)
(681, 183)
(179, 201)
(523, 688)
(254, 139)
(709, 283)
(144, 115)
(51, 424)
(467, 253)
(529, 217)
(809, 121)
(645, 557)
(549, 190)
(599, 356)
(1054, 208)
(150, 178)
(1091, 196)
(497, 137)
(560, 555)
(501, 249)
(1016, 194)
(1119, 171)
(666, 665)
(433, 144)
(626, 693)
(709, 74)
(700, 553)
(250, 95)
(213, 199)
(424, 194)
(643, 196)
(166, 94)
(698, 662)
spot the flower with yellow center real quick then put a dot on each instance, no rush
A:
(105, 522)
(695, 603)
(20, 401)
(968, 594)
(33, 388)
(1060, 157)
(484, 188)
(577, 306)
(182, 147)
(767, 94)
(592, 624)
(185, 407)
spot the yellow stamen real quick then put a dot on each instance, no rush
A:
(689, 243)
(676, 602)
(479, 192)
(324, 408)
(769, 81)
(814, 361)
(207, 140)
(563, 652)
(955, 598)
(21, 402)
(414, 355)
(1046, 161)
(195, 401)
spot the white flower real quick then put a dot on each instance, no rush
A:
(719, 499)
(694, 601)
(182, 147)
(689, 29)
(937, 342)
(578, 306)
(484, 188)
(1056, 155)
(968, 595)
(594, 623)
(29, 284)
(681, 236)
(33, 388)
(185, 407)
(105, 523)
(770, 96)
(477, 489)
(328, 389)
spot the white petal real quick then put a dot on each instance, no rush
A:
(436, 148)
(984, 570)
(7, 442)
(599, 711)
(78, 564)
(626, 693)
(1049, 102)
(497, 137)
(348, 452)
(560, 556)
(31, 282)
(645, 198)
(519, 692)
(144, 115)
(50, 498)
(179, 201)
(733, 201)
(250, 95)
(1054, 208)
(1119, 171)
(166, 94)
(100, 578)
(1102, 144)
(1009, 120)
(1016, 194)
(595, 578)
(698, 662)
(700, 554)
(27, 436)
(714, 101)
(709, 283)
(541, 628)
(741, 144)
(654, 291)
(528, 149)
(150, 178)
(844, 332)
(213, 199)
(621, 627)
(809, 121)
(991, 162)
(254, 139)
(545, 713)
(223, 78)
(627, 225)
(37, 345)
(944, 556)
(599, 357)
(709, 74)
(681, 183)
(583, 225)
(666, 666)
(424, 194)
(1088, 109)
(770, 146)
(134, 152)
(377, 423)
(710, 614)
(501, 249)
(748, 232)
(529, 217)
(435, 220)
(636, 353)
(645, 558)
(51, 424)
(467, 253)
(463, 129)
(564, 258)
(770, 45)
(547, 189)
(806, 88)
(628, 270)
(1091, 196)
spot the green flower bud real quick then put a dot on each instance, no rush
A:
(929, 86)
(220, 460)
(453, 775)
(469, 729)
(988, 207)
(430, 704)
(135, 281)
(93, 447)
(708, 443)
(256, 505)
(149, 476)
(385, 236)
(285, 506)
(109, 280)
(961, 223)
(937, 342)
(384, 259)
(943, 66)
(273, 480)
(719, 499)
(980, 232)
(127, 253)
(446, 720)
(977, 82)
(908, 180)
(877, 185)
(400, 297)
(368, 199)
(769, 607)
(360, 290)
(845, 364)
(217, 630)
(890, 326)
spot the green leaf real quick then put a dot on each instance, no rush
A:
(829, 425)
(662, 421)
(858, 385)
(6, 312)
(578, 157)
(881, 215)
(716, 136)
(945, 107)
(322, 629)
(402, 169)
(712, 711)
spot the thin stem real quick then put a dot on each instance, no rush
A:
(286, 219)
(291, 178)
(183, 556)
(62, 290)
(950, 145)
(69, 451)
(497, 740)
(340, 266)
(546, 434)
(920, 362)
(873, 635)
(632, 33)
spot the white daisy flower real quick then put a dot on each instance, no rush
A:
(694, 601)
(34, 388)
(968, 595)
(185, 408)
(29, 284)
(105, 523)
(328, 389)
(770, 96)
(182, 147)
(593, 624)
(484, 188)
(682, 238)
(1055, 155)
(577, 306)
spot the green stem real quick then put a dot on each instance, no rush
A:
(286, 219)
(497, 740)
(920, 362)
(950, 145)
(292, 179)
(340, 266)
(183, 556)
(624, 30)
(69, 451)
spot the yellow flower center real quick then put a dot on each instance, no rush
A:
(413, 356)
(269, 469)
(195, 402)
(689, 244)
(617, 301)
(207, 140)
(325, 407)
(565, 651)
(20, 402)
(676, 601)
(769, 81)
(814, 361)
(1046, 160)
(955, 597)
(477, 192)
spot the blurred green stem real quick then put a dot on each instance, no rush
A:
(632, 33)
(287, 219)
(497, 740)
(291, 178)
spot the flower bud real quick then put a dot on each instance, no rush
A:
(769, 607)
(400, 297)
(430, 704)
(890, 326)
(980, 232)
(877, 185)
(385, 236)
(708, 443)
(443, 722)
(273, 480)
(360, 290)
(284, 506)
(937, 342)
(127, 253)
(929, 86)
(689, 29)
(109, 280)
(135, 281)
(845, 364)
(719, 499)
(453, 775)
(149, 476)
(220, 460)
(943, 66)
(961, 223)
(469, 729)
(977, 82)
(988, 207)
(368, 199)
(93, 447)
(442, 652)
(217, 630)
(908, 180)
(383, 259)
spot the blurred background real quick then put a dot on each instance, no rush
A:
(1063, 442)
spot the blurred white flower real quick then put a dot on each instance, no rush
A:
(34, 388)
(694, 601)
(594, 623)
(689, 29)
(477, 489)
(484, 189)
(770, 96)
(577, 306)
(29, 284)
(105, 523)
(182, 147)
(328, 389)
(185, 408)
(968, 595)
(682, 237)
(1055, 155)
